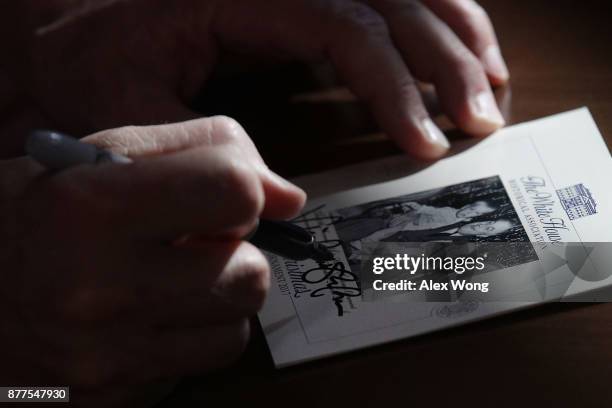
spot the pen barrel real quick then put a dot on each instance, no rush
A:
(284, 239)
(57, 151)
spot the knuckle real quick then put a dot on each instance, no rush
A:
(250, 279)
(257, 279)
(362, 19)
(226, 129)
(244, 189)
(473, 16)
(466, 64)
(477, 12)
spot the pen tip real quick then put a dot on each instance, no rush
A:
(322, 253)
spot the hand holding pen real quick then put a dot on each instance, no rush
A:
(57, 151)
(89, 257)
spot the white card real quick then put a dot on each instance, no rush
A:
(546, 179)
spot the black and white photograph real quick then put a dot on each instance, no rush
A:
(478, 211)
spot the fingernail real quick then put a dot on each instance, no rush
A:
(485, 108)
(494, 63)
(434, 135)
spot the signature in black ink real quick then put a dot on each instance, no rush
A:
(336, 275)
(330, 243)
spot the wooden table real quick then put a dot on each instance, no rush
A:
(559, 53)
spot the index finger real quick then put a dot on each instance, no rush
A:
(209, 191)
(283, 199)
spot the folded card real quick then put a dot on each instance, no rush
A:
(530, 205)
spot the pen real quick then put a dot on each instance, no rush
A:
(57, 151)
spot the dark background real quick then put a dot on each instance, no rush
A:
(560, 57)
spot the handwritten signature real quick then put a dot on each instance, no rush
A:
(337, 276)
(334, 273)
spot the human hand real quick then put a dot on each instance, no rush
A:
(101, 290)
(141, 61)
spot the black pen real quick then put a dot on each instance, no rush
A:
(57, 151)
